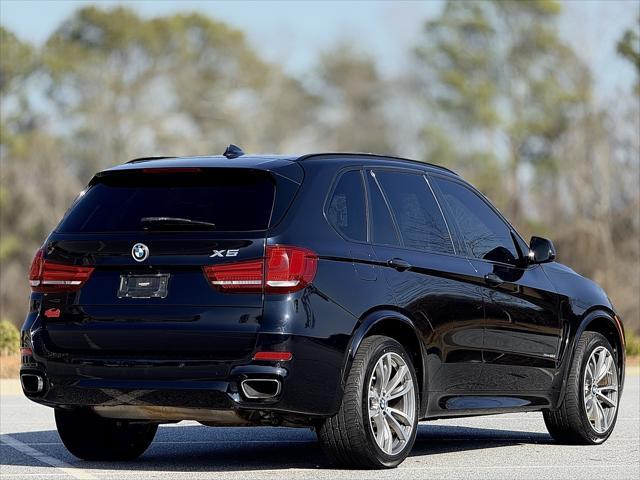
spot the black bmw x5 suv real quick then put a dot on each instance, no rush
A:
(354, 294)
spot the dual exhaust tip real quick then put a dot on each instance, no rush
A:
(32, 382)
(260, 388)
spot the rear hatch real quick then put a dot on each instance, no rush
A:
(142, 238)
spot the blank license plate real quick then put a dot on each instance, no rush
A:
(143, 286)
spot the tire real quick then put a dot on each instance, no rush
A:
(348, 437)
(91, 437)
(572, 423)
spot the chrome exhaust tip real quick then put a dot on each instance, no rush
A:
(32, 382)
(260, 388)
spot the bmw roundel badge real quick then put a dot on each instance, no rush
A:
(140, 252)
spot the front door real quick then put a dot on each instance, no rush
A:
(522, 323)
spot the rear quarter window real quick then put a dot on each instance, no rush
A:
(346, 208)
(231, 200)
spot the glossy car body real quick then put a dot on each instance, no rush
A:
(486, 336)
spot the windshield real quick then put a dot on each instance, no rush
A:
(226, 200)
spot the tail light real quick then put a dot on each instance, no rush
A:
(46, 276)
(237, 276)
(284, 269)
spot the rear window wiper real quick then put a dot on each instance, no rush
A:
(174, 221)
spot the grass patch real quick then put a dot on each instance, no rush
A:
(9, 338)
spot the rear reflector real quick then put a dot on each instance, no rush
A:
(52, 313)
(285, 269)
(273, 356)
(46, 276)
(26, 351)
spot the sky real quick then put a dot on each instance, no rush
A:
(294, 32)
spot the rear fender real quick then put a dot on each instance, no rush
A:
(375, 321)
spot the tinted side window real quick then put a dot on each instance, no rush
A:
(383, 231)
(346, 209)
(416, 211)
(484, 232)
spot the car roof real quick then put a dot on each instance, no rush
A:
(209, 161)
(357, 157)
(270, 161)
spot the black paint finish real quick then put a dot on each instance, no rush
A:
(487, 336)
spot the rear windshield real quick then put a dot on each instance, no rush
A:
(225, 201)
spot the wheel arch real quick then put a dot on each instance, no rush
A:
(603, 321)
(398, 326)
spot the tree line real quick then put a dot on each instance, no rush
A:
(492, 91)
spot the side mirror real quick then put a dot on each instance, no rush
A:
(541, 250)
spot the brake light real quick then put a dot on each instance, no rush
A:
(289, 268)
(46, 276)
(35, 272)
(284, 269)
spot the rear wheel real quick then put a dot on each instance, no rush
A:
(377, 421)
(91, 437)
(590, 407)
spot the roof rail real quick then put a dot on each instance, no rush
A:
(379, 157)
(148, 159)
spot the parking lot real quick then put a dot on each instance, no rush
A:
(513, 446)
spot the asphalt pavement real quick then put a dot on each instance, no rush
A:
(512, 446)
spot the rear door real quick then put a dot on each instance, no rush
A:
(411, 237)
(148, 234)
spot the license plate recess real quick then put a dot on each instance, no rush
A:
(144, 286)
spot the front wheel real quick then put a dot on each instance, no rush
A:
(376, 424)
(590, 406)
(91, 437)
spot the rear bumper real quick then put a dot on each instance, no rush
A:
(309, 385)
(70, 386)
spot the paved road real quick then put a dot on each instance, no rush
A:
(514, 446)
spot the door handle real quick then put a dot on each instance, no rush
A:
(399, 264)
(493, 280)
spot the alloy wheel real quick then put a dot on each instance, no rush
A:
(392, 403)
(601, 389)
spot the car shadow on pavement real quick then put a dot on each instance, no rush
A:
(204, 449)
(437, 439)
